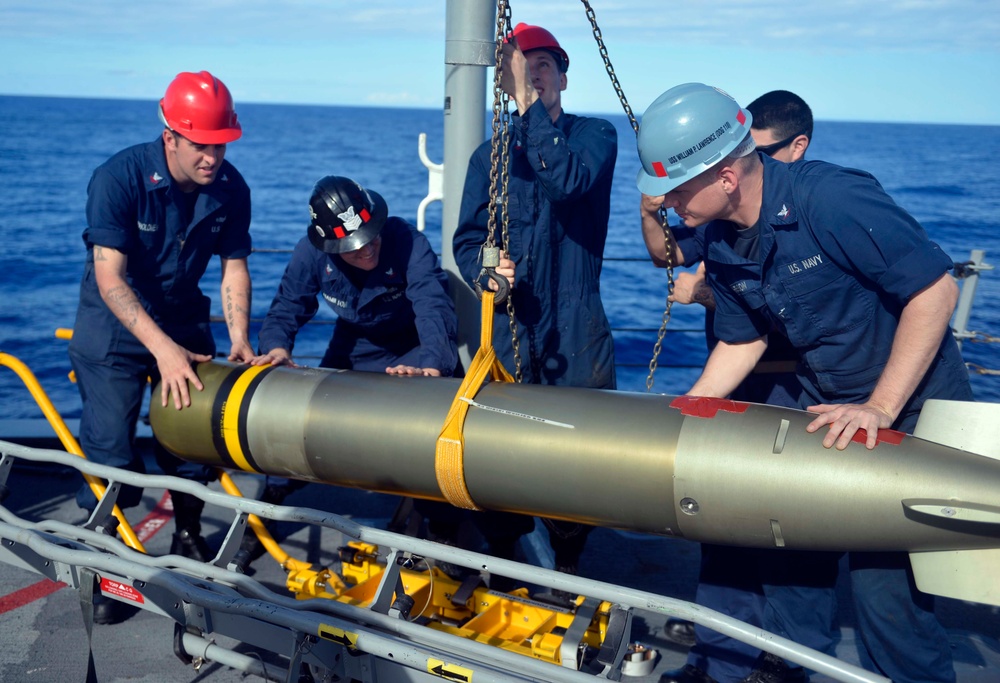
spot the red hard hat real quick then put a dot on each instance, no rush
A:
(199, 107)
(537, 38)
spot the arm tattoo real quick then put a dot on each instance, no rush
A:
(703, 295)
(99, 253)
(232, 308)
(124, 304)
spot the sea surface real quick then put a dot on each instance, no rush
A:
(49, 147)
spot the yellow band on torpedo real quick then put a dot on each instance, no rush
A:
(231, 416)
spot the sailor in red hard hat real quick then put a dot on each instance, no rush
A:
(559, 193)
(157, 213)
(197, 109)
(534, 48)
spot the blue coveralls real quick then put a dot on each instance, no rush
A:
(773, 387)
(398, 313)
(837, 261)
(134, 206)
(790, 593)
(559, 200)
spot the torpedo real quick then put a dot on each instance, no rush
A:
(710, 470)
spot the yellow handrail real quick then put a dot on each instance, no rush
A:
(68, 441)
(230, 487)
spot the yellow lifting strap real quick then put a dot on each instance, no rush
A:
(449, 463)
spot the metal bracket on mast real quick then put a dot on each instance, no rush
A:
(435, 182)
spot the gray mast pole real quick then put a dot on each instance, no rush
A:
(469, 47)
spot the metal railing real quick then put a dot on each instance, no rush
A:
(966, 272)
(60, 550)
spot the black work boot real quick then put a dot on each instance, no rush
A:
(250, 547)
(110, 611)
(189, 543)
(771, 668)
(187, 540)
(680, 631)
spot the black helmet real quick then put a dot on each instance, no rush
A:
(345, 216)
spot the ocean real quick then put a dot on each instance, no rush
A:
(50, 146)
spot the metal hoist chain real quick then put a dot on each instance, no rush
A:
(663, 214)
(500, 175)
(610, 69)
(511, 320)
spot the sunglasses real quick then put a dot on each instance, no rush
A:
(770, 150)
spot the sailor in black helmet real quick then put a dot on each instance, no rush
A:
(378, 274)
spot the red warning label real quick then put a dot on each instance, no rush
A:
(121, 590)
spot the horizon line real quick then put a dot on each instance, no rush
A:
(486, 109)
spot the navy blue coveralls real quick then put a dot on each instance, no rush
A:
(791, 593)
(773, 384)
(559, 200)
(836, 262)
(133, 206)
(398, 313)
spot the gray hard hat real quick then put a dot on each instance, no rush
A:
(687, 130)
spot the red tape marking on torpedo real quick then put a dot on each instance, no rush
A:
(706, 406)
(886, 436)
(145, 530)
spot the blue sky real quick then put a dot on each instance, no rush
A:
(855, 60)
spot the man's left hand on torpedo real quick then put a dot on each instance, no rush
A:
(845, 419)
